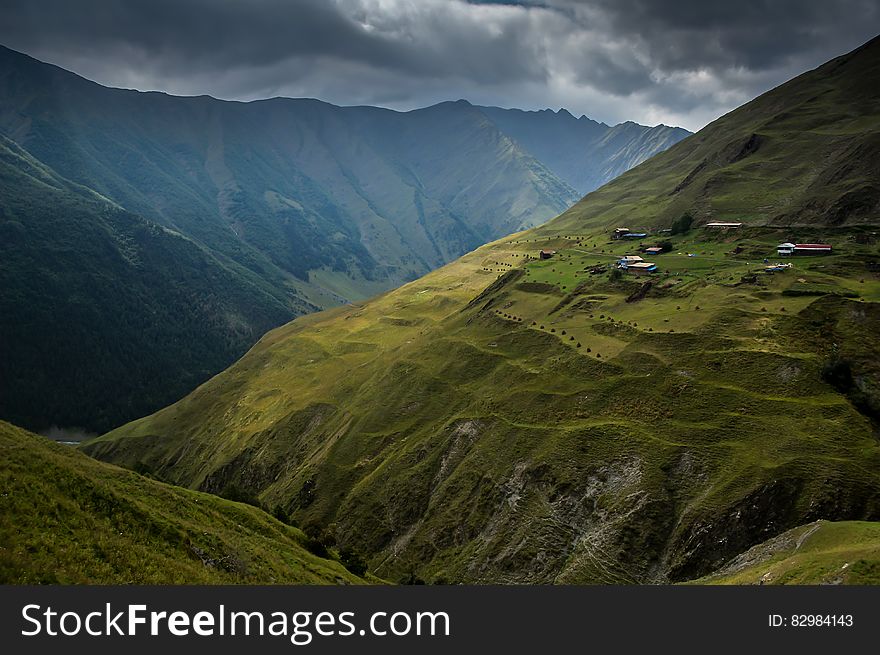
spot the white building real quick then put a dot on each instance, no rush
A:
(723, 226)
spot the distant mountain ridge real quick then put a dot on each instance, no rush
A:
(306, 204)
(377, 195)
(582, 152)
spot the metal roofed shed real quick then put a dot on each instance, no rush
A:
(721, 225)
(640, 268)
(812, 249)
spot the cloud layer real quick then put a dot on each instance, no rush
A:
(681, 62)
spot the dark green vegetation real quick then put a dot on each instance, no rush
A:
(163, 235)
(509, 419)
(65, 518)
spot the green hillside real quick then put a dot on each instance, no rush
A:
(67, 519)
(511, 419)
(819, 553)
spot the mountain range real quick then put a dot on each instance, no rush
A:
(535, 413)
(164, 234)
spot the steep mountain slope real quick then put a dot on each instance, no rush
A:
(514, 419)
(583, 153)
(104, 315)
(68, 519)
(805, 153)
(343, 201)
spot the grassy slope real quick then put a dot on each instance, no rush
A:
(506, 419)
(466, 445)
(847, 552)
(68, 519)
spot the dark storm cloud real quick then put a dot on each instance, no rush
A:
(218, 34)
(682, 62)
(751, 33)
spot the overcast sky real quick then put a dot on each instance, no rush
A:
(681, 62)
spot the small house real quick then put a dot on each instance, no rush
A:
(812, 249)
(654, 250)
(785, 249)
(546, 254)
(619, 232)
(626, 260)
(641, 268)
(723, 226)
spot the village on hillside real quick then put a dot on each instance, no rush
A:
(595, 291)
(639, 264)
(806, 260)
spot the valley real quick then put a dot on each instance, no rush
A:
(265, 211)
(519, 417)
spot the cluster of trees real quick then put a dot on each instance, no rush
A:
(682, 224)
